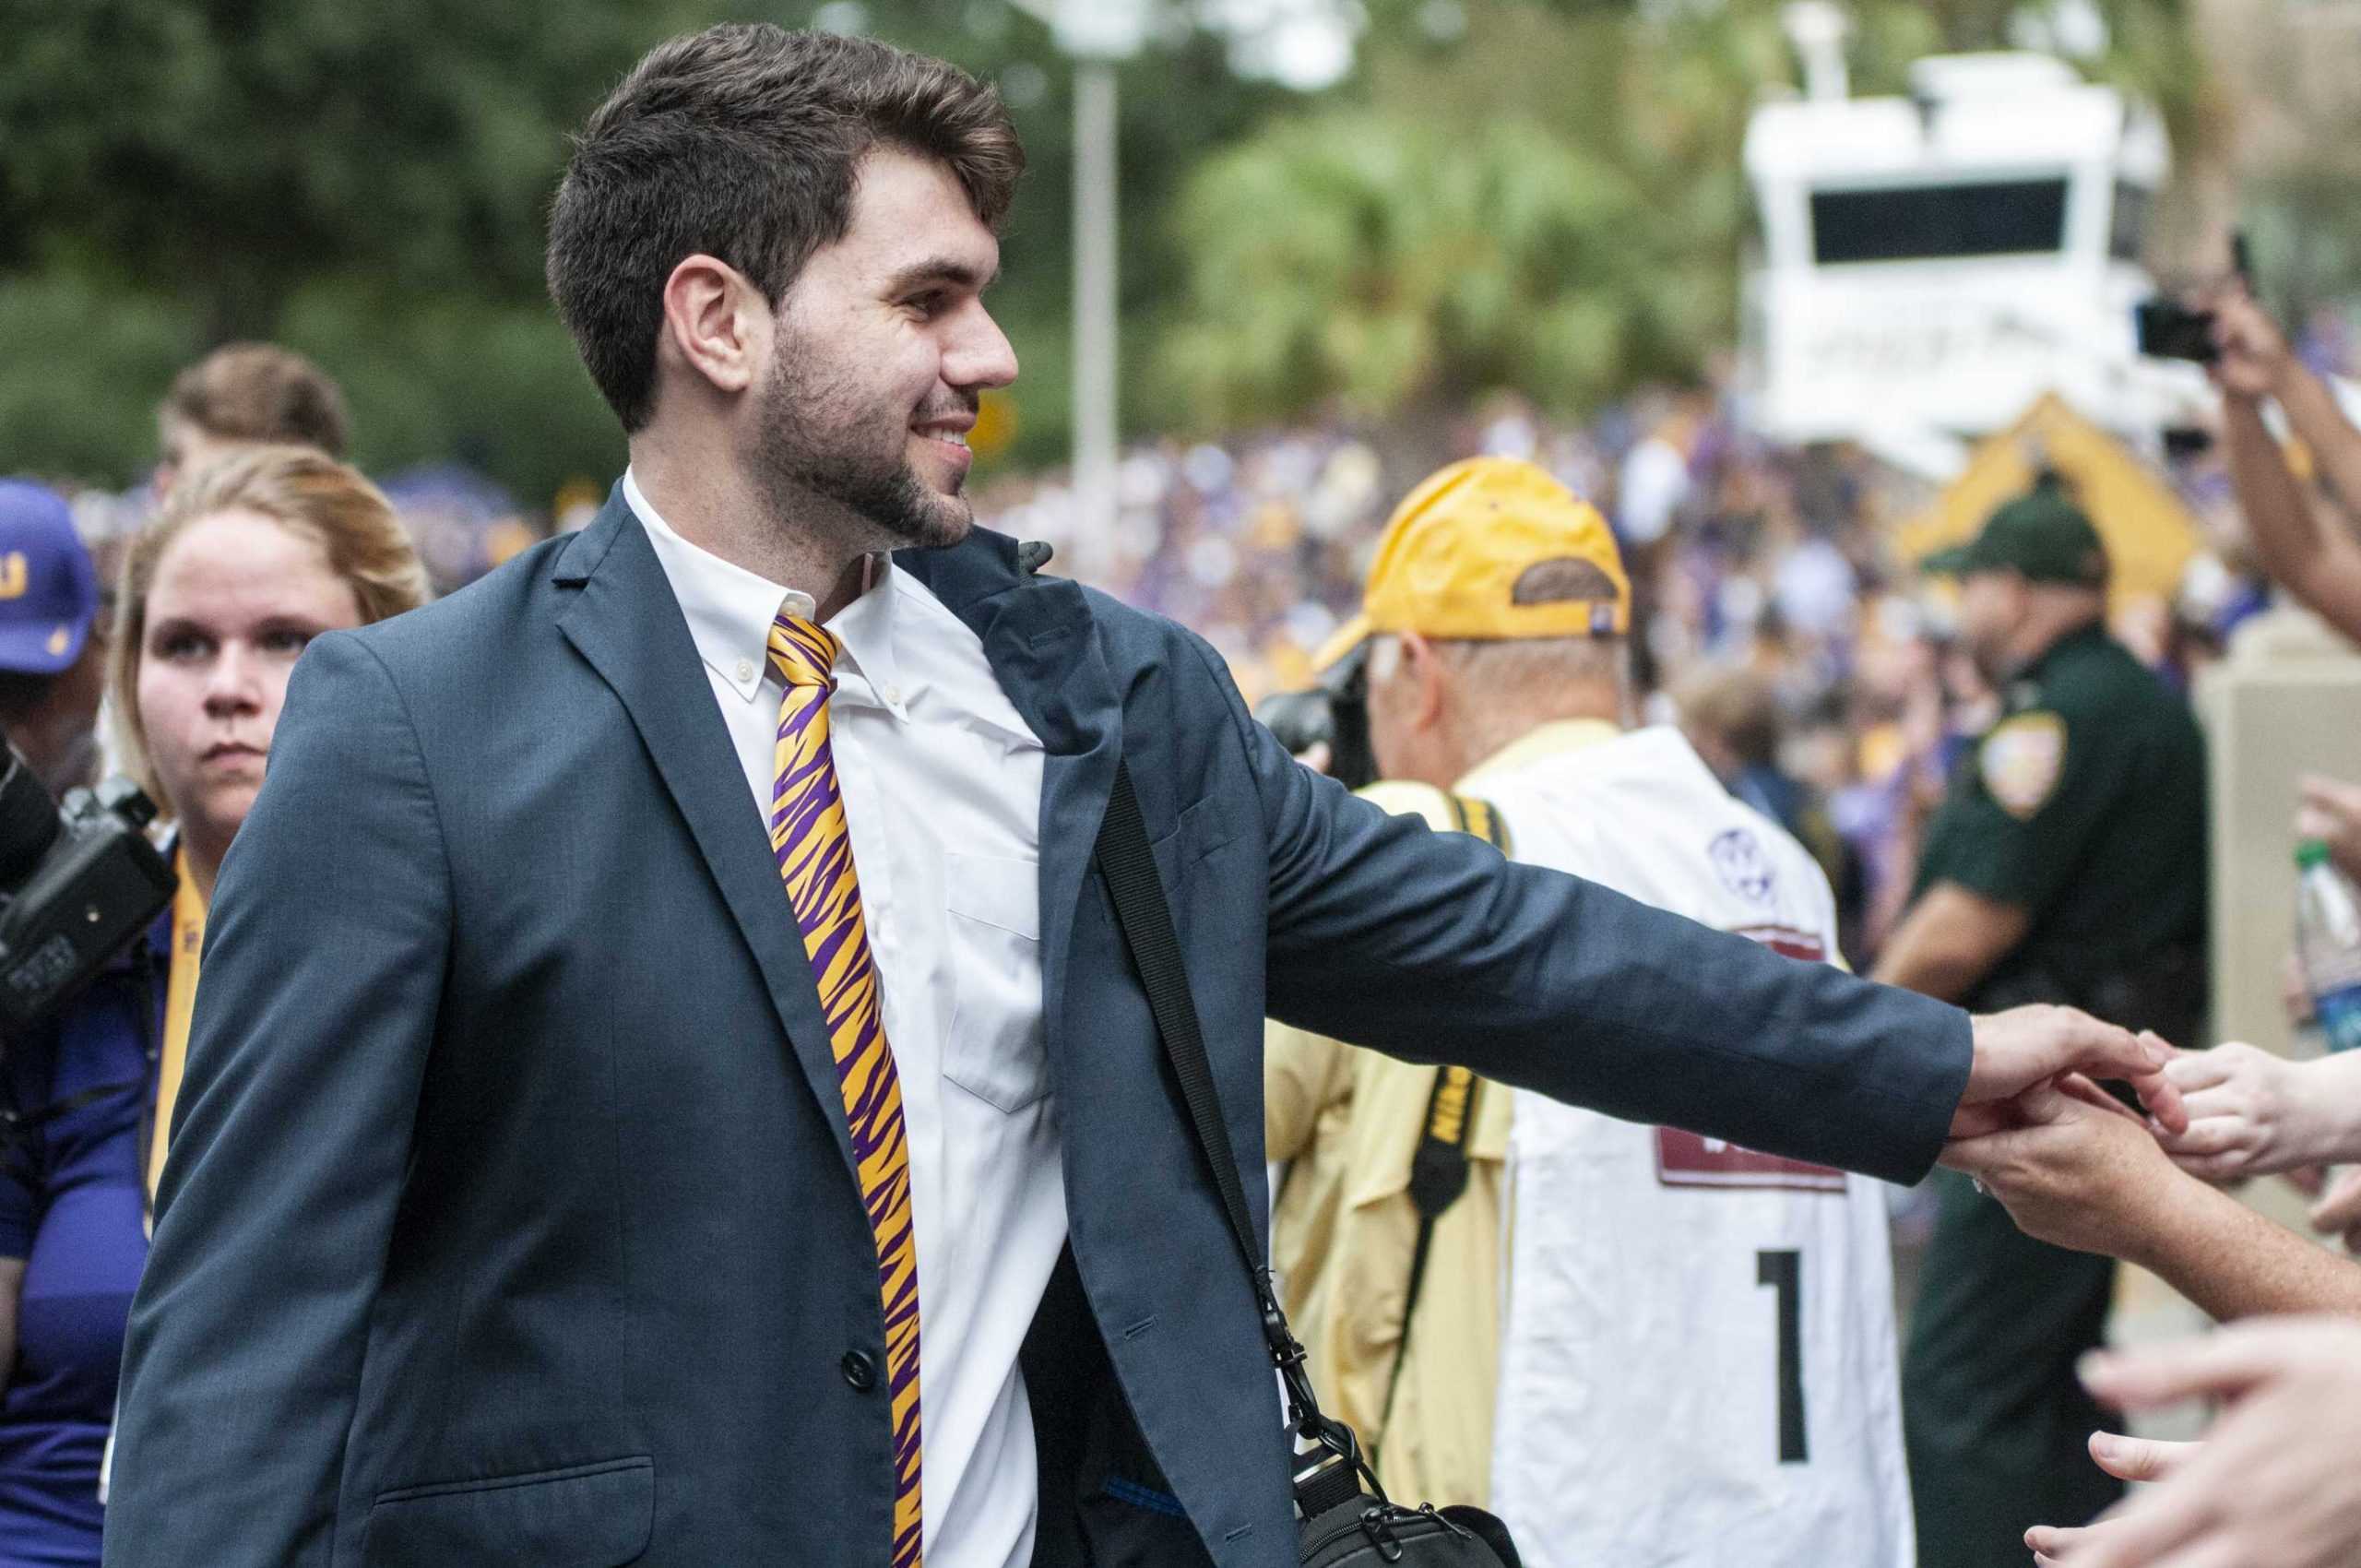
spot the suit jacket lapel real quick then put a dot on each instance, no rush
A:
(627, 622)
(1044, 651)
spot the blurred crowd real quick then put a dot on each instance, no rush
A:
(1777, 614)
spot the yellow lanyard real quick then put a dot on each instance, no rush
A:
(180, 1005)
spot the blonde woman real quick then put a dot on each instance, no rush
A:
(250, 559)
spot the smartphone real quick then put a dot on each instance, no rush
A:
(2170, 330)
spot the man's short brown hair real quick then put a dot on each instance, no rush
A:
(742, 143)
(258, 392)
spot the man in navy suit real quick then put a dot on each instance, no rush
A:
(668, 1086)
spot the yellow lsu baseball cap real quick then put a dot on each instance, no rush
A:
(1491, 549)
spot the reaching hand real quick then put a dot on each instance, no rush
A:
(2252, 1113)
(2139, 1459)
(2254, 355)
(2126, 1459)
(2077, 1171)
(2271, 1485)
(2027, 1047)
(2339, 1212)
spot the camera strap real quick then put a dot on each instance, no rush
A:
(1438, 1167)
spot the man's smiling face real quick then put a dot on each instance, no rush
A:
(881, 351)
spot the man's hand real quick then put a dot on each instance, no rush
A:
(2250, 1114)
(2077, 1171)
(2254, 357)
(2025, 1048)
(2271, 1486)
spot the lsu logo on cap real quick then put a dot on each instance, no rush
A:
(14, 576)
(2021, 761)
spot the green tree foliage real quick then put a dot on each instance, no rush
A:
(369, 182)
(365, 182)
(228, 153)
(1540, 196)
(1546, 201)
(1386, 260)
(1547, 197)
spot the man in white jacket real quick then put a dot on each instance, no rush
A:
(1695, 1353)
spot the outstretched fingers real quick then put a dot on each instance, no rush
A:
(2139, 1459)
(2157, 1088)
(2223, 1363)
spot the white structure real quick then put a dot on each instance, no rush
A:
(1929, 265)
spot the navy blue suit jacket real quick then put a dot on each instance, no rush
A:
(511, 1216)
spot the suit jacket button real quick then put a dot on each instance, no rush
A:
(860, 1370)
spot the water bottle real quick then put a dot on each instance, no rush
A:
(2328, 943)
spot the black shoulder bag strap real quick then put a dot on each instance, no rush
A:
(1146, 924)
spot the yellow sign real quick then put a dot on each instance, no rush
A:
(995, 424)
(2149, 534)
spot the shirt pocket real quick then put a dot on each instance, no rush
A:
(995, 1048)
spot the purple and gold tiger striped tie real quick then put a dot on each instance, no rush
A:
(815, 853)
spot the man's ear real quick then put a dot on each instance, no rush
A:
(715, 323)
(1424, 668)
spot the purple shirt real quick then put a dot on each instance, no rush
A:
(72, 1205)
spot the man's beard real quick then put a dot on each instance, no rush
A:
(814, 443)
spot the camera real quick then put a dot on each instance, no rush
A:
(2170, 330)
(1336, 712)
(78, 883)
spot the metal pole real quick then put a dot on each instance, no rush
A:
(1094, 307)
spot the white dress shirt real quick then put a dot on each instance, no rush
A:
(941, 782)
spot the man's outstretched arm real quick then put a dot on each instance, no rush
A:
(1432, 947)
(322, 967)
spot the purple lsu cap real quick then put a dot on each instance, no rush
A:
(49, 592)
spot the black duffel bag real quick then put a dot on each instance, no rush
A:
(1346, 1519)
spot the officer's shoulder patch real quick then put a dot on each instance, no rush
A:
(2022, 759)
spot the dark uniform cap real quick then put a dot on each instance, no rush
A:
(2043, 535)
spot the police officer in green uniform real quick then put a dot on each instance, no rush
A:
(2066, 864)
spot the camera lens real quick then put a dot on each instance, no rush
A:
(27, 822)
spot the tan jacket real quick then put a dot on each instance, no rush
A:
(1345, 1122)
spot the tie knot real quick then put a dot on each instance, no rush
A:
(803, 652)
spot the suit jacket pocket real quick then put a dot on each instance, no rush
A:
(598, 1516)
